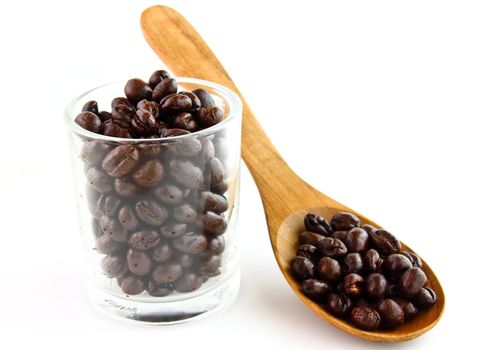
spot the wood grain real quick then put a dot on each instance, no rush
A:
(285, 196)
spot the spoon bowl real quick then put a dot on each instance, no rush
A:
(285, 196)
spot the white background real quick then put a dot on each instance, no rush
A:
(391, 107)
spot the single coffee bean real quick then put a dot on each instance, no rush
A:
(98, 180)
(123, 115)
(353, 263)
(132, 285)
(114, 129)
(91, 106)
(137, 90)
(215, 246)
(312, 238)
(210, 201)
(96, 229)
(365, 318)
(353, 284)
(338, 304)
(151, 212)
(149, 106)
(414, 259)
(207, 150)
(157, 77)
(376, 286)
(210, 266)
(186, 173)
(121, 160)
(186, 147)
(165, 88)
(425, 298)
(191, 243)
(138, 262)
(372, 260)
(107, 205)
(308, 251)
(217, 172)
(128, 219)
(106, 245)
(121, 101)
(89, 121)
(149, 174)
(315, 289)
(104, 116)
(144, 123)
(212, 223)
(409, 309)
(93, 152)
(159, 289)
(186, 261)
(357, 240)
(392, 314)
(174, 230)
(317, 224)
(126, 188)
(169, 193)
(185, 121)
(328, 270)
(362, 302)
(341, 235)
(196, 103)
(412, 281)
(189, 282)
(302, 268)
(369, 228)
(176, 103)
(185, 213)
(332, 247)
(113, 228)
(204, 97)
(397, 263)
(220, 189)
(163, 252)
(144, 240)
(167, 272)
(209, 116)
(385, 243)
(113, 266)
(343, 221)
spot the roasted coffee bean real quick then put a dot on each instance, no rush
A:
(163, 252)
(167, 272)
(144, 240)
(357, 240)
(328, 270)
(220, 189)
(196, 103)
(151, 212)
(126, 187)
(210, 266)
(144, 123)
(113, 228)
(414, 259)
(217, 172)
(338, 304)
(149, 106)
(185, 121)
(91, 106)
(186, 173)
(121, 160)
(96, 229)
(376, 286)
(204, 97)
(165, 88)
(174, 230)
(332, 247)
(372, 260)
(187, 261)
(120, 101)
(172, 132)
(312, 238)
(106, 245)
(159, 289)
(169, 194)
(212, 223)
(114, 129)
(365, 318)
(317, 224)
(315, 289)
(302, 268)
(391, 313)
(341, 235)
(369, 228)
(361, 302)
(409, 309)
(353, 284)
(185, 213)
(216, 203)
(128, 219)
(207, 150)
(123, 115)
(412, 281)
(353, 263)
(137, 90)
(425, 298)
(138, 262)
(98, 180)
(104, 116)
(149, 174)
(209, 116)
(215, 246)
(176, 103)
(113, 266)
(93, 152)
(89, 121)
(186, 147)
(189, 282)
(132, 284)
(397, 263)
(385, 243)
(191, 243)
(107, 205)
(157, 77)
(343, 221)
(308, 251)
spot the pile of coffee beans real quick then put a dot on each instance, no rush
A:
(159, 208)
(359, 272)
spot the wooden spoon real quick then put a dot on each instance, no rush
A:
(285, 196)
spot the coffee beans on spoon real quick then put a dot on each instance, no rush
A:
(360, 273)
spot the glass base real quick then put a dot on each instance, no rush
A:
(165, 312)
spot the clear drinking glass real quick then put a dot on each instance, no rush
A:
(158, 216)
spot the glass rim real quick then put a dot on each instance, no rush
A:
(235, 112)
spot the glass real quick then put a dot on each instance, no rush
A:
(158, 216)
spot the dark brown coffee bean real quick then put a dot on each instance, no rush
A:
(414, 259)
(216, 246)
(338, 304)
(209, 116)
(96, 229)
(186, 173)
(425, 298)
(302, 268)
(353, 284)
(315, 289)
(328, 270)
(93, 152)
(165, 88)
(123, 115)
(369, 228)
(157, 77)
(186, 147)
(204, 97)
(107, 205)
(332, 247)
(217, 172)
(365, 318)
(159, 289)
(176, 103)
(98, 180)
(220, 189)
(163, 252)
(106, 245)
(397, 263)
(121, 160)
(343, 221)
(353, 263)
(113, 228)
(385, 243)
(210, 266)
(172, 132)
(391, 313)
(151, 212)
(89, 121)
(104, 116)
(132, 284)
(185, 213)
(212, 223)
(189, 282)
(357, 240)
(113, 266)
(114, 129)
(120, 101)
(376, 286)
(207, 150)
(308, 251)
(341, 235)
(137, 90)
(372, 260)
(167, 272)
(149, 106)
(126, 188)
(312, 238)
(138, 262)
(169, 194)
(91, 106)
(409, 310)
(174, 230)
(144, 123)
(209, 201)
(128, 219)
(149, 174)
(196, 103)
(412, 281)
(191, 243)
(317, 224)
(144, 240)
(185, 121)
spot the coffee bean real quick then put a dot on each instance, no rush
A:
(121, 160)
(165, 88)
(340, 235)
(163, 252)
(397, 263)
(157, 77)
(391, 313)
(98, 180)
(385, 243)
(113, 266)
(338, 304)
(121, 101)
(106, 245)
(185, 213)
(174, 230)
(151, 212)
(343, 221)
(369, 228)
(128, 219)
(89, 121)
(159, 289)
(317, 224)
(196, 103)
(91, 106)
(149, 174)
(93, 152)
(188, 283)
(138, 262)
(365, 318)
(353, 263)
(212, 223)
(191, 243)
(186, 147)
(96, 229)
(209, 116)
(113, 228)
(186, 261)
(185, 121)
(414, 259)
(144, 240)
(207, 150)
(302, 268)
(126, 188)
(425, 298)
(114, 129)
(312, 238)
(216, 203)
(149, 106)
(376, 286)
(315, 289)
(137, 90)
(357, 240)
(104, 116)
(167, 272)
(412, 281)
(308, 251)
(409, 310)
(186, 173)
(215, 246)
(205, 98)
(332, 247)
(210, 266)
(107, 205)
(132, 285)
(217, 172)
(176, 103)
(372, 260)
(144, 123)
(328, 270)
(353, 284)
